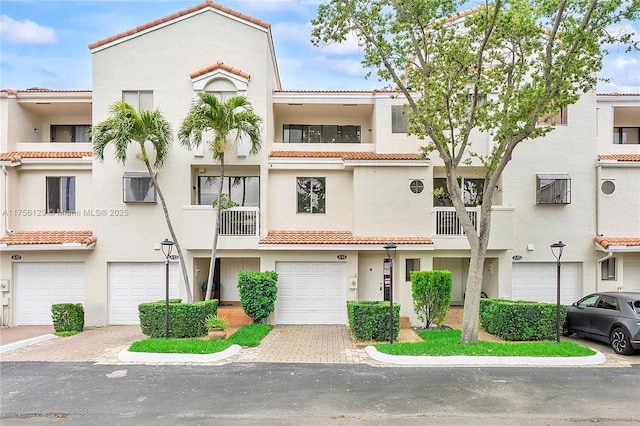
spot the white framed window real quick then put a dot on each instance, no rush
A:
(242, 190)
(416, 186)
(553, 188)
(61, 194)
(626, 135)
(142, 100)
(399, 121)
(321, 133)
(472, 192)
(311, 194)
(411, 265)
(137, 187)
(608, 187)
(70, 133)
(608, 269)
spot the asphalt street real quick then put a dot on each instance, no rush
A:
(264, 393)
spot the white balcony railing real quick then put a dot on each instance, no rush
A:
(446, 222)
(240, 221)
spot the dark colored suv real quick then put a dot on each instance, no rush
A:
(611, 317)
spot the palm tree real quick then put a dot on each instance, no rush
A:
(124, 126)
(226, 121)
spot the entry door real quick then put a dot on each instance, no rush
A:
(459, 268)
(370, 283)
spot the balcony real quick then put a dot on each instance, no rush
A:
(446, 222)
(241, 223)
(448, 232)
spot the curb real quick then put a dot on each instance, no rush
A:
(472, 361)
(152, 357)
(27, 342)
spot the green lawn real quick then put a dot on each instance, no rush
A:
(447, 343)
(247, 335)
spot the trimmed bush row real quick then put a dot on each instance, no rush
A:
(520, 320)
(185, 320)
(67, 317)
(369, 320)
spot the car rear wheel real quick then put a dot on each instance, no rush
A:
(620, 342)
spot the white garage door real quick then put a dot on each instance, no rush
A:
(131, 284)
(39, 285)
(538, 282)
(311, 293)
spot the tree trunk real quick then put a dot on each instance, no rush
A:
(172, 233)
(212, 264)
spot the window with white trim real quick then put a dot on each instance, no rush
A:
(61, 194)
(137, 187)
(399, 121)
(70, 133)
(311, 194)
(141, 100)
(608, 269)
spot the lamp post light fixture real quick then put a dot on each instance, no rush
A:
(556, 249)
(167, 246)
(390, 249)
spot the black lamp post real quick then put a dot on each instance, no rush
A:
(167, 246)
(391, 253)
(556, 249)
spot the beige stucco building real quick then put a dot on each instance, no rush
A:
(337, 178)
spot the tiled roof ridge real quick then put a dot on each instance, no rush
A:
(617, 94)
(44, 90)
(373, 91)
(19, 155)
(606, 242)
(619, 157)
(220, 65)
(346, 155)
(207, 3)
(49, 237)
(335, 237)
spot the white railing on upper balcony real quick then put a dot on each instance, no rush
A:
(240, 221)
(446, 222)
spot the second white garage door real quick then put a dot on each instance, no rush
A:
(538, 282)
(131, 284)
(311, 293)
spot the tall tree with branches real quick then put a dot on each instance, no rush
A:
(530, 58)
(124, 126)
(219, 124)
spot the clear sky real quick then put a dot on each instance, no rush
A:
(44, 43)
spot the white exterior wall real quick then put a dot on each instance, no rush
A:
(166, 72)
(568, 149)
(385, 206)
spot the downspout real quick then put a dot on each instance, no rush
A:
(5, 200)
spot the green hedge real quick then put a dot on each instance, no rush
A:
(431, 292)
(67, 317)
(258, 293)
(520, 320)
(185, 320)
(370, 320)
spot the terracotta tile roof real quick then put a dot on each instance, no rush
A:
(176, 15)
(220, 65)
(346, 155)
(606, 242)
(44, 90)
(617, 94)
(49, 237)
(337, 238)
(15, 156)
(620, 157)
